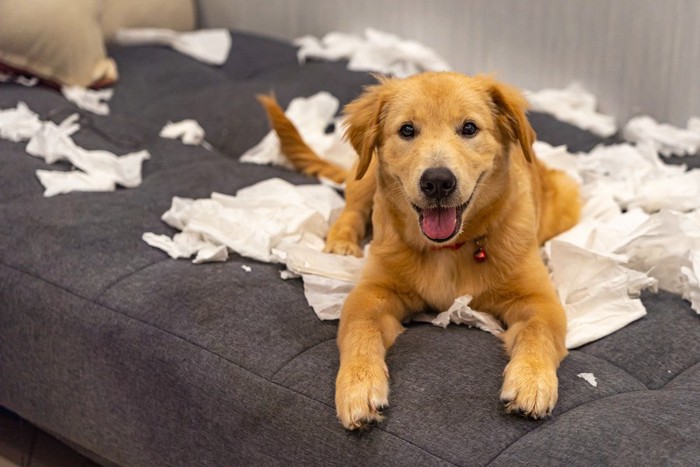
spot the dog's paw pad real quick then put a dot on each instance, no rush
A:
(361, 396)
(529, 390)
(344, 248)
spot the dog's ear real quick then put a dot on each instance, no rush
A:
(510, 107)
(364, 123)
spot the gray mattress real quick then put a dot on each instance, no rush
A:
(139, 359)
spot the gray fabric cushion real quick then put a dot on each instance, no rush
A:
(144, 360)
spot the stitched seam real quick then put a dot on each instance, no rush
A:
(679, 375)
(122, 278)
(577, 407)
(194, 344)
(313, 346)
(545, 423)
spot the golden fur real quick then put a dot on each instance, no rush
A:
(510, 201)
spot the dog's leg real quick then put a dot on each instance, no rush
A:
(369, 325)
(535, 342)
(349, 229)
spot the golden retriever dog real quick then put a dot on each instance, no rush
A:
(459, 205)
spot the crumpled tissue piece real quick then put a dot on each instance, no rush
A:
(666, 139)
(99, 170)
(188, 131)
(262, 221)
(210, 46)
(632, 175)
(574, 105)
(690, 280)
(602, 263)
(590, 377)
(92, 100)
(18, 124)
(461, 313)
(102, 169)
(26, 81)
(313, 117)
(376, 51)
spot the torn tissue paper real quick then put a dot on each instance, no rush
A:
(188, 131)
(376, 51)
(98, 170)
(590, 377)
(573, 105)
(314, 117)
(210, 46)
(92, 100)
(261, 222)
(664, 138)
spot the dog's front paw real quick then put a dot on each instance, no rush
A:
(361, 391)
(530, 387)
(343, 247)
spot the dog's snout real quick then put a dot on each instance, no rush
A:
(438, 183)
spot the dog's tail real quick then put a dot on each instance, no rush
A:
(302, 157)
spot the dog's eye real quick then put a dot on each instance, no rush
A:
(469, 129)
(407, 131)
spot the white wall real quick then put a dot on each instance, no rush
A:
(637, 56)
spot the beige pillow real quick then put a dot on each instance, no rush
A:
(170, 14)
(59, 41)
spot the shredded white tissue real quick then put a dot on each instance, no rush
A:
(690, 279)
(246, 268)
(18, 124)
(312, 117)
(210, 46)
(461, 313)
(590, 377)
(26, 81)
(376, 51)
(92, 100)
(188, 131)
(98, 170)
(574, 105)
(666, 139)
(264, 221)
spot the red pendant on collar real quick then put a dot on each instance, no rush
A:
(480, 255)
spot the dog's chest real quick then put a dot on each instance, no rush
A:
(446, 276)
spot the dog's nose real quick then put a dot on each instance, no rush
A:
(438, 183)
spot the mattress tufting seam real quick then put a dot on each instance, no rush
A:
(541, 427)
(303, 351)
(194, 344)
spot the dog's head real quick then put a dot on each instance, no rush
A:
(441, 139)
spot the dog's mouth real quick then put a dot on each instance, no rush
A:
(439, 224)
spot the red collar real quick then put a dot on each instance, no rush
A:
(479, 255)
(453, 246)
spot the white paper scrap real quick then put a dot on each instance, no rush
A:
(312, 117)
(246, 268)
(98, 170)
(92, 100)
(590, 377)
(461, 313)
(666, 139)
(376, 51)
(690, 280)
(574, 105)
(188, 131)
(264, 221)
(210, 46)
(18, 124)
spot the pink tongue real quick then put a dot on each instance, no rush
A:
(439, 223)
